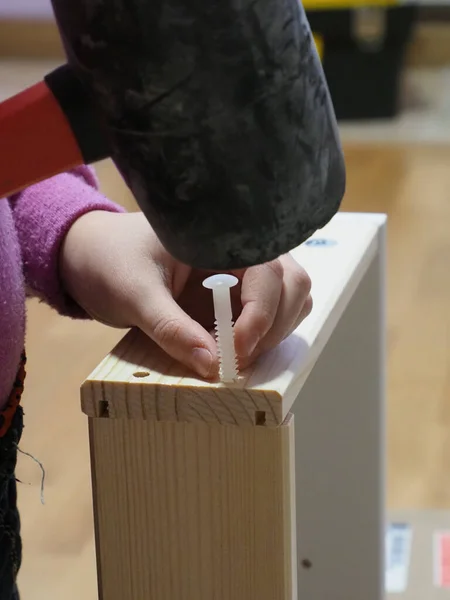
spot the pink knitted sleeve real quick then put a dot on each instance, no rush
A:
(43, 214)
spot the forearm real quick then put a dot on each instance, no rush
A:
(43, 215)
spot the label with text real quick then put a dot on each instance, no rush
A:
(398, 555)
(442, 559)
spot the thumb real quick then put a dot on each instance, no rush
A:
(176, 333)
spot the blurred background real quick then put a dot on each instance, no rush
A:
(388, 68)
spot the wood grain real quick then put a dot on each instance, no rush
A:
(194, 512)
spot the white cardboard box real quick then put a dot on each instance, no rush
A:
(418, 555)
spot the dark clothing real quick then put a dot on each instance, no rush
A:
(11, 426)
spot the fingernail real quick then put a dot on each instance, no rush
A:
(202, 360)
(251, 346)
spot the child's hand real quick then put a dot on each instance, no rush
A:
(114, 267)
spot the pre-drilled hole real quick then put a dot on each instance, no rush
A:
(306, 563)
(260, 417)
(103, 409)
(141, 374)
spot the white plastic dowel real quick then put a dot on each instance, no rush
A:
(220, 286)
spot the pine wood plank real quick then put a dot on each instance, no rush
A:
(194, 511)
(138, 380)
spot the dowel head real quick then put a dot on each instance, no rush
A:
(220, 281)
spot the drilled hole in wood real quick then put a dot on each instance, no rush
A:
(141, 374)
(260, 417)
(306, 563)
(103, 409)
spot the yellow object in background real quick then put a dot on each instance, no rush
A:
(318, 39)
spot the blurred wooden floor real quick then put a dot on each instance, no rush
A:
(411, 184)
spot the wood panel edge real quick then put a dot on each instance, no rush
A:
(186, 404)
(97, 540)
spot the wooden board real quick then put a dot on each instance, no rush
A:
(138, 380)
(194, 511)
(194, 483)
